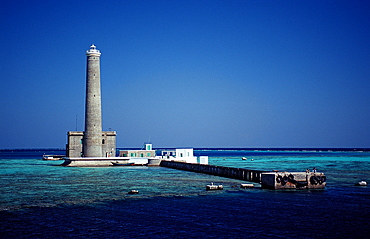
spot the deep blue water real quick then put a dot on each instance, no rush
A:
(41, 200)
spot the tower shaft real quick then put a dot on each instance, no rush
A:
(92, 142)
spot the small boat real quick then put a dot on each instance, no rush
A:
(247, 185)
(133, 191)
(244, 158)
(214, 187)
(361, 183)
(140, 164)
(122, 164)
(52, 157)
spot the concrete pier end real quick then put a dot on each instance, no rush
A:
(293, 180)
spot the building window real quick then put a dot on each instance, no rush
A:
(148, 154)
(141, 155)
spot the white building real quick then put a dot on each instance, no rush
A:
(180, 154)
(186, 155)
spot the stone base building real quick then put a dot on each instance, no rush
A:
(74, 148)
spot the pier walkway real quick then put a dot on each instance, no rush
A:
(228, 172)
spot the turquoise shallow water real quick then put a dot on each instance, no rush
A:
(42, 183)
(40, 199)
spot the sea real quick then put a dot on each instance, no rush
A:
(41, 199)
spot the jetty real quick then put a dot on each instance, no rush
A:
(267, 179)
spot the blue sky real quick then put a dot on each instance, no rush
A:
(189, 73)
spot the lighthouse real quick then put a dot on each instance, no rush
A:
(92, 142)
